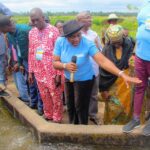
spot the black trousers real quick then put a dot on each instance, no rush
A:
(78, 97)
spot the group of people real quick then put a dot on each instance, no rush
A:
(69, 58)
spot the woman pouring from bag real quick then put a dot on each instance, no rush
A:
(113, 90)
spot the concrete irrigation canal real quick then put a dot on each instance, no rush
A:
(45, 132)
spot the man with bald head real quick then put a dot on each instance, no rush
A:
(37, 18)
(41, 44)
(86, 18)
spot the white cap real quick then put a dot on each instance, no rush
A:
(112, 16)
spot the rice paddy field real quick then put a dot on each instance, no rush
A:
(98, 22)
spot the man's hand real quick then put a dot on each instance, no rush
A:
(105, 95)
(57, 80)
(9, 68)
(15, 67)
(22, 70)
(30, 78)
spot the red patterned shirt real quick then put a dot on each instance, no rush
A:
(44, 39)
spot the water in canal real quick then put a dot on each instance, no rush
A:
(15, 136)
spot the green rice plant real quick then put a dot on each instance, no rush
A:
(98, 22)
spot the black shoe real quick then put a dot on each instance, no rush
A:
(19, 98)
(95, 120)
(25, 101)
(40, 112)
(3, 93)
(47, 119)
(33, 106)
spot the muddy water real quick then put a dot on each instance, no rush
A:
(15, 136)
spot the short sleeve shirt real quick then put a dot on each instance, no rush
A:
(143, 33)
(65, 50)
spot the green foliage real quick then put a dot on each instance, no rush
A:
(21, 19)
(128, 22)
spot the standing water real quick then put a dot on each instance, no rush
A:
(15, 136)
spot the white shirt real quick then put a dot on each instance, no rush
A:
(92, 35)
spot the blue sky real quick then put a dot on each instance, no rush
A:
(71, 5)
